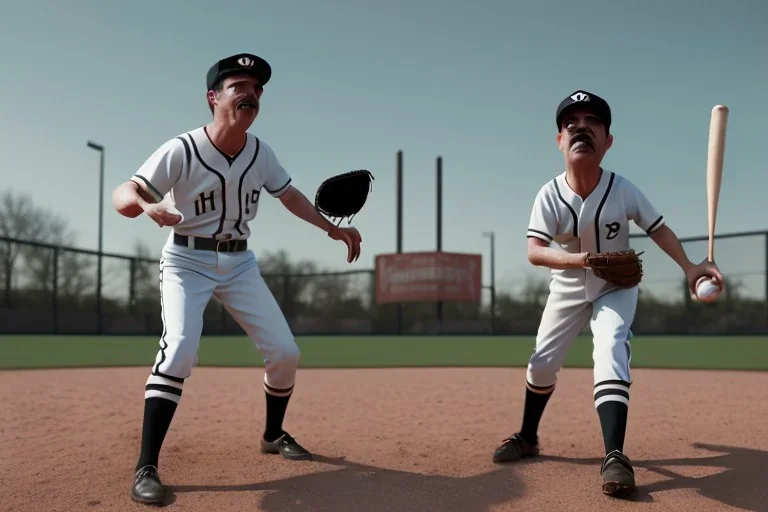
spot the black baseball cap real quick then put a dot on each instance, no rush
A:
(240, 63)
(584, 99)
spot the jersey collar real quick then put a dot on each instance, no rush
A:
(569, 195)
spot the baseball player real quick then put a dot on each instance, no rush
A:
(207, 184)
(584, 210)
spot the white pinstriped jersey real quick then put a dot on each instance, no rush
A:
(217, 195)
(598, 223)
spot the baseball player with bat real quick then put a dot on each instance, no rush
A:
(206, 184)
(585, 213)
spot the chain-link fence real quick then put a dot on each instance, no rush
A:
(50, 289)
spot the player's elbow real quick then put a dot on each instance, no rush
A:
(536, 252)
(534, 258)
(124, 200)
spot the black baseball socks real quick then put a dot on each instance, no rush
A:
(158, 413)
(276, 407)
(612, 404)
(613, 421)
(536, 398)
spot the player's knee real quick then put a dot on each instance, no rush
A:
(176, 357)
(280, 374)
(541, 378)
(612, 347)
(542, 371)
(288, 355)
(612, 363)
(285, 355)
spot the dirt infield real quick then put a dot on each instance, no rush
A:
(387, 440)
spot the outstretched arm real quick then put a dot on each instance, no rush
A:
(298, 204)
(668, 242)
(653, 223)
(541, 255)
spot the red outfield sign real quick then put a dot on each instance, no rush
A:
(428, 277)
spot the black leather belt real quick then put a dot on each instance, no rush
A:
(210, 244)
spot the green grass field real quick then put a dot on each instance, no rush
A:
(694, 352)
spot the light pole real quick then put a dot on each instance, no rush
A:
(100, 149)
(492, 236)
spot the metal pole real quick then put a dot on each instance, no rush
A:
(101, 240)
(439, 186)
(399, 209)
(765, 256)
(100, 149)
(492, 236)
(766, 266)
(493, 283)
(56, 290)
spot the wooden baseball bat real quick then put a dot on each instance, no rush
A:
(718, 124)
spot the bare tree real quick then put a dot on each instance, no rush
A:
(339, 295)
(40, 264)
(30, 267)
(16, 221)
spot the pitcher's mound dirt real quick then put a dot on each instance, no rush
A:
(387, 440)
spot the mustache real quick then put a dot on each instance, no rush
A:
(249, 101)
(582, 137)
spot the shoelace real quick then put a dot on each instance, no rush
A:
(145, 472)
(619, 457)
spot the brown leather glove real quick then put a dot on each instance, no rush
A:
(621, 268)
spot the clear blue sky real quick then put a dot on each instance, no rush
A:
(354, 81)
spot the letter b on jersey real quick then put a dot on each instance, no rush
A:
(204, 203)
(613, 230)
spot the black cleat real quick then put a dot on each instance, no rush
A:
(147, 487)
(286, 446)
(515, 448)
(618, 475)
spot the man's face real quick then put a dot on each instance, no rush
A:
(583, 137)
(238, 97)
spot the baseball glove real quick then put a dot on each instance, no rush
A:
(621, 268)
(343, 195)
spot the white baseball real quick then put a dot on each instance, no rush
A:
(706, 290)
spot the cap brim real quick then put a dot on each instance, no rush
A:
(261, 70)
(599, 112)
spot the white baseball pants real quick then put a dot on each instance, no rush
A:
(188, 280)
(565, 315)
